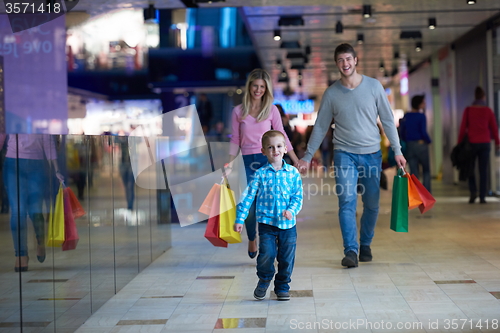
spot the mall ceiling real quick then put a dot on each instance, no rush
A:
(326, 23)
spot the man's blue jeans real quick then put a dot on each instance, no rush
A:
(252, 163)
(280, 244)
(351, 170)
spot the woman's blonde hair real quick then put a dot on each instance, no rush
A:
(267, 99)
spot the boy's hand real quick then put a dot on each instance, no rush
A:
(288, 215)
(238, 227)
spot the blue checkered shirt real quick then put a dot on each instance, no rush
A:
(276, 191)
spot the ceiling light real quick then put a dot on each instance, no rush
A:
(283, 76)
(360, 39)
(418, 46)
(290, 20)
(432, 23)
(150, 13)
(367, 11)
(299, 76)
(277, 34)
(381, 68)
(278, 64)
(339, 28)
(471, 2)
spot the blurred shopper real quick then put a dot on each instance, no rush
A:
(478, 123)
(413, 130)
(288, 129)
(26, 179)
(250, 120)
(126, 172)
(204, 108)
(355, 102)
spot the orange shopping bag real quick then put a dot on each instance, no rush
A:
(206, 206)
(76, 207)
(414, 199)
(428, 200)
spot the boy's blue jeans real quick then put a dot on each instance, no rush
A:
(252, 163)
(351, 170)
(280, 244)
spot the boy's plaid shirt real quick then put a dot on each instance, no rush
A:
(276, 192)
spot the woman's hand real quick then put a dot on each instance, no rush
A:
(59, 176)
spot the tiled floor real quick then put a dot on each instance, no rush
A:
(441, 276)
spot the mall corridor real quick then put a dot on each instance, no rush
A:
(441, 276)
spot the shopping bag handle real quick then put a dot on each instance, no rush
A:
(401, 171)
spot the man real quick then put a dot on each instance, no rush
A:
(355, 102)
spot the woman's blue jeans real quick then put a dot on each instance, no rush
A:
(352, 170)
(252, 163)
(280, 244)
(25, 198)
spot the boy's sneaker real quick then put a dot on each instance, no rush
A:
(365, 253)
(283, 296)
(350, 259)
(260, 291)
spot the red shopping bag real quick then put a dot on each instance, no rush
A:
(206, 206)
(76, 207)
(414, 199)
(70, 231)
(212, 230)
(428, 200)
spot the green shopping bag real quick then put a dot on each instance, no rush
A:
(399, 209)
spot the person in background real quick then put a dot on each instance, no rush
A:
(480, 126)
(286, 126)
(413, 130)
(355, 102)
(26, 179)
(204, 108)
(249, 121)
(277, 208)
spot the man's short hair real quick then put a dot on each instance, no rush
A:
(416, 101)
(344, 48)
(271, 134)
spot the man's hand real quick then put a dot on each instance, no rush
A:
(302, 166)
(400, 161)
(287, 214)
(238, 227)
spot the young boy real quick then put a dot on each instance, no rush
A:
(278, 188)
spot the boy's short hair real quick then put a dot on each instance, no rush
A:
(271, 134)
(416, 101)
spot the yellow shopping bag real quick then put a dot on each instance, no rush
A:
(55, 236)
(227, 216)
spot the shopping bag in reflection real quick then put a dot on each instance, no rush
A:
(70, 230)
(399, 209)
(76, 207)
(55, 235)
(228, 216)
(212, 196)
(428, 200)
(414, 199)
(212, 230)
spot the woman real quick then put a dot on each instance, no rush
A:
(414, 132)
(478, 123)
(250, 120)
(26, 182)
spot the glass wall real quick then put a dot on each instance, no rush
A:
(124, 228)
